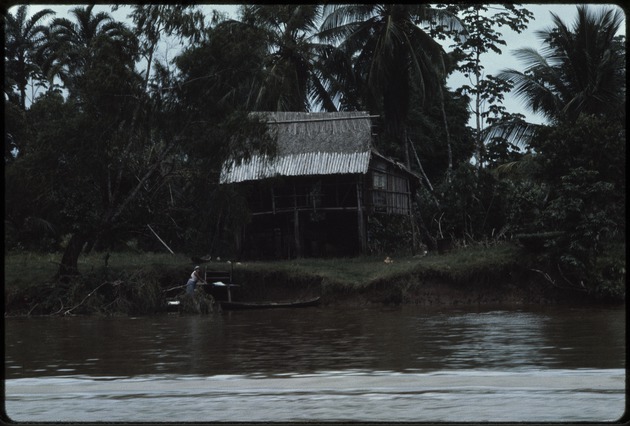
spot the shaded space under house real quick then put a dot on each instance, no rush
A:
(315, 197)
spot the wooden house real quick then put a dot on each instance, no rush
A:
(314, 197)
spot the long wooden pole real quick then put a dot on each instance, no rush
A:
(161, 240)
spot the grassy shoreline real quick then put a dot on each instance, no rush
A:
(135, 283)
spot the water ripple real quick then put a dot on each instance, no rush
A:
(467, 395)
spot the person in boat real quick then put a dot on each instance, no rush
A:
(192, 281)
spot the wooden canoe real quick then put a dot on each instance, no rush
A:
(232, 306)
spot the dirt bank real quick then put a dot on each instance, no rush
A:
(425, 288)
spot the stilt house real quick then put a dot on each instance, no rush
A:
(315, 196)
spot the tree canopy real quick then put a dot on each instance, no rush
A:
(118, 138)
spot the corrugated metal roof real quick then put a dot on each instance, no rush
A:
(308, 163)
(310, 144)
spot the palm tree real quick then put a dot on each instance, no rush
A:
(72, 46)
(292, 78)
(24, 36)
(581, 69)
(393, 55)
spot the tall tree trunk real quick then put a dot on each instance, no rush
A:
(477, 112)
(406, 145)
(23, 98)
(426, 235)
(449, 170)
(70, 259)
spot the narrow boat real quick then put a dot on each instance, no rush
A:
(232, 306)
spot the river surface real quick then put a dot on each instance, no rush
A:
(327, 364)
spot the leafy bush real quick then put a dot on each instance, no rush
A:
(389, 234)
(582, 164)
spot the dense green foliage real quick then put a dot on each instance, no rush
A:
(586, 197)
(115, 147)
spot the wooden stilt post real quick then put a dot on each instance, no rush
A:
(412, 222)
(414, 243)
(360, 218)
(296, 225)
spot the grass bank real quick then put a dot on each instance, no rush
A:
(138, 283)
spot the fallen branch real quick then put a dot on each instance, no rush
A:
(184, 285)
(546, 276)
(173, 288)
(31, 310)
(85, 298)
(60, 309)
(112, 302)
(571, 285)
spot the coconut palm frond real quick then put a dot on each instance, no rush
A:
(526, 167)
(517, 132)
(580, 70)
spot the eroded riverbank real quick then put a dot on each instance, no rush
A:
(128, 285)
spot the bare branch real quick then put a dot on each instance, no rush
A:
(84, 299)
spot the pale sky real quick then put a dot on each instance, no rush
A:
(542, 19)
(493, 63)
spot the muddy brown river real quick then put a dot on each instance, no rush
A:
(325, 364)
